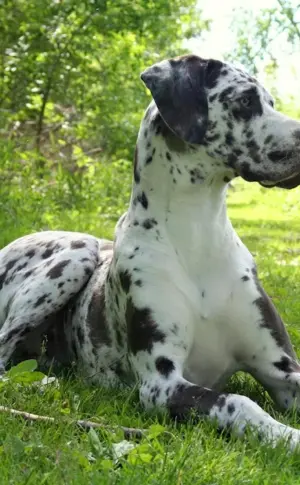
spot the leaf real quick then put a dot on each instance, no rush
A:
(122, 448)
(65, 410)
(155, 430)
(14, 445)
(137, 457)
(28, 377)
(82, 460)
(95, 443)
(25, 366)
(45, 478)
(107, 464)
(145, 457)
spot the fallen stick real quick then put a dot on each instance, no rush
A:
(129, 433)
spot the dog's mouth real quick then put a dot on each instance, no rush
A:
(290, 182)
(289, 179)
(290, 157)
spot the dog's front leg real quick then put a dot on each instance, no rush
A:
(165, 387)
(279, 373)
(270, 355)
(159, 348)
(282, 384)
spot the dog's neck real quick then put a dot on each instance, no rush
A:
(182, 189)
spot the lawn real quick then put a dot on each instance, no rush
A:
(59, 453)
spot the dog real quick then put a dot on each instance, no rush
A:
(173, 304)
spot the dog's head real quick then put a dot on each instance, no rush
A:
(217, 107)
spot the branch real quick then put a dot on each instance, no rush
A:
(51, 74)
(290, 17)
(129, 433)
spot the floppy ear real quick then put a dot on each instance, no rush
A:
(177, 87)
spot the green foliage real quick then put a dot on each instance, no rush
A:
(24, 373)
(69, 70)
(257, 34)
(88, 199)
(71, 103)
(259, 39)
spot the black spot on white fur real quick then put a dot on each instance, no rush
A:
(285, 364)
(41, 300)
(78, 244)
(57, 270)
(47, 253)
(149, 223)
(125, 280)
(142, 329)
(143, 200)
(136, 172)
(164, 366)
(230, 409)
(245, 278)
(30, 253)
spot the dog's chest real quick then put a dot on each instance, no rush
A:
(212, 358)
(214, 354)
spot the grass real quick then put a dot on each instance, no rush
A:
(269, 224)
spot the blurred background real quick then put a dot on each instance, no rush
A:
(71, 100)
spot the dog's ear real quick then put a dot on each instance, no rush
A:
(178, 89)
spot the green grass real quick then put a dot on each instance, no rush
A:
(40, 453)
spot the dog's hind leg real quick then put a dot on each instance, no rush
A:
(42, 294)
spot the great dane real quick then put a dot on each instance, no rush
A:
(174, 303)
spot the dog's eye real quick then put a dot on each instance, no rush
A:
(245, 101)
(271, 102)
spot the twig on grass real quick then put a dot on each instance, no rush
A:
(129, 433)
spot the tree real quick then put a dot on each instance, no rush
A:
(260, 38)
(71, 103)
(257, 35)
(69, 70)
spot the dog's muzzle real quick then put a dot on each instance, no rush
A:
(286, 158)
